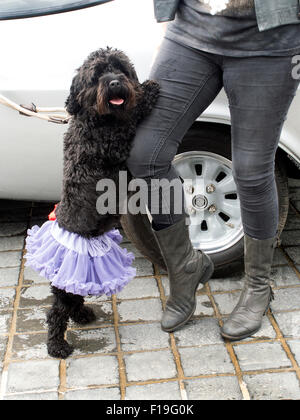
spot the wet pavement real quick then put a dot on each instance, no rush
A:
(125, 354)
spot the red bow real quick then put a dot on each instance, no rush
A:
(52, 215)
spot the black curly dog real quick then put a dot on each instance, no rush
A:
(106, 102)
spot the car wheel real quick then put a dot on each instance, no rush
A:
(203, 162)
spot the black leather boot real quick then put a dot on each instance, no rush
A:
(187, 268)
(257, 293)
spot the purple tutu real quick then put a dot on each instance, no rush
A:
(79, 265)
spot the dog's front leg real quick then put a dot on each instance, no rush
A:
(81, 314)
(150, 89)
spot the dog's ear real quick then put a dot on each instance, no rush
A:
(72, 104)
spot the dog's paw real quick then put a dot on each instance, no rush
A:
(84, 315)
(151, 87)
(59, 349)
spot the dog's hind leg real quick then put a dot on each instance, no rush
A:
(57, 320)
(81, 314)
(65, 306)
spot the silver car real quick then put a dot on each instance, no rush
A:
(38, 58)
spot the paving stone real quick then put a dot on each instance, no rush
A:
(165, 391)
(30, 320)
(30, 346)
(297, 205)
(32, 277)
(204, 306)
(12, 229)
(43, 396)
(286, 299)
(150, 365)
(293, 222)
(143, 267)
(97, 299)
(139, 288)
(7, 298)
(13, 204)
(284, 276)
(294, 190)
(290, 237)
(218, 388)
(199, 332)
(36, 296)
(227, 284)
(10, 259)
(294, 183)
(291, 211)
(295, 348)
(226, 302)
(273, 386)
(33, 376)
(13, 243)
(279, 258)
(294, 253)
(3, 343)
(14, 214)
(166, 285)
(205, 360)
(101, 340)
(9, 276)
(289, 323)
(140, 310)
(131, 248)
(125, 239)
(143, 337)
(107, 394)
(87, 371)
(104, 315)
(5, 321)
(259, 356)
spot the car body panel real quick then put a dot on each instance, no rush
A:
(38, 61)
(18, 9)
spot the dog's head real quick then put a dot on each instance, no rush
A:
(106, 83)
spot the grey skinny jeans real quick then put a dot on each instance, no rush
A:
(260, 91)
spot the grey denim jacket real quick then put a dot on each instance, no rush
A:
(269, 13)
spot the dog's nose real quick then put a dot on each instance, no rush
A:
(114, 84)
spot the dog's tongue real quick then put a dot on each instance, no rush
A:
(117, 101)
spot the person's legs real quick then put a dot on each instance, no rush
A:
(260, 92)
(189, 82)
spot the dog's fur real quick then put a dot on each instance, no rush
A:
(96, 146)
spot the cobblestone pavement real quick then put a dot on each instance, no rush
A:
(124, 354)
